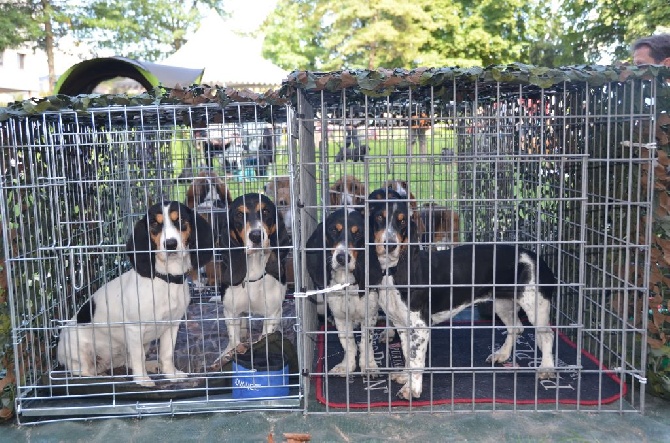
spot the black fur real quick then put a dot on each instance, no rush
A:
(320, 249)
(233, 252)
(140, 248)
(443, 280)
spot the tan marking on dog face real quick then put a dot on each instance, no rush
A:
(174, 215)
(339, 227)
(186, 230)
(354, 229)
(159, 218)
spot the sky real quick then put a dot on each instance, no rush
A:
(249, 14)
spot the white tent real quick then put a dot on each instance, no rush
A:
(229, 59)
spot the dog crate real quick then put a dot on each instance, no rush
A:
(78, 173)
(558, 162)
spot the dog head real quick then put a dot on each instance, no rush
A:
(254, 227)
(393, 230)
(279, 190)
(207, 193)
(348, 189)
(442, 226)
(335, 246)
(169, 240)
(254, 222)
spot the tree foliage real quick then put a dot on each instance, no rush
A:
(398, 33)
(606, 27)
(142, 29)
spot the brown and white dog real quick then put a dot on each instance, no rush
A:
(207, 195)
(336, 254)
(254, 251)
(118, 323)
(279, 191)
(349, 190)
(441, 226)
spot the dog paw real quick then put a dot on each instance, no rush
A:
(370, 368)
(176, 375)
(144, 381)
(407, 393)
(340, 370)
(498, 357)
(546, 374)
(400, 377)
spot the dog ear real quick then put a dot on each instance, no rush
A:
(316, 254)
(373, 268)
(139, 248)
(280, 239)
(230, 253)
(201, 242)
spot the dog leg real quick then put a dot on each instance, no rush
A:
(402, 377)
(419, 336)
(168, 341)
(137, 356)
(233, 327)
(538, 310)
(346, 336)
(507, 311)
(366, 357)
(272, 323)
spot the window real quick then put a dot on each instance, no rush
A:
(22, 61)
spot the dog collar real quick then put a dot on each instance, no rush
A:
(171, 278)
(245, 281)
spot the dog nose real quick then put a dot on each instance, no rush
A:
(255, 236)
(341, 258)
(171, 244)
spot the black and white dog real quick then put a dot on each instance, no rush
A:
(117, 324)
(336, 255)
(425, 288)
(254, 278)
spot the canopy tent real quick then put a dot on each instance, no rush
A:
(83, 77)
(229, 59)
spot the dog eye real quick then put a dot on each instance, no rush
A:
(239, 215)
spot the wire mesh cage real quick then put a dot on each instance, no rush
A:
(513, 194)
(375, 241)
(82, 188)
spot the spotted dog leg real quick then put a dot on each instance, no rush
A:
(414, 336)
(366, 357)
(419, 336)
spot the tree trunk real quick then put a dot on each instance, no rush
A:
(49, 43)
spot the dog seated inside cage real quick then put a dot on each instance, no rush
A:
(253, 255)
(422, 288)
(336, 254)
(118, 323)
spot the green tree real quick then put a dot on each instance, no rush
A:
(34, 23)
(484, 32)
(600, 28)
(142, 29)
(326, 35)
